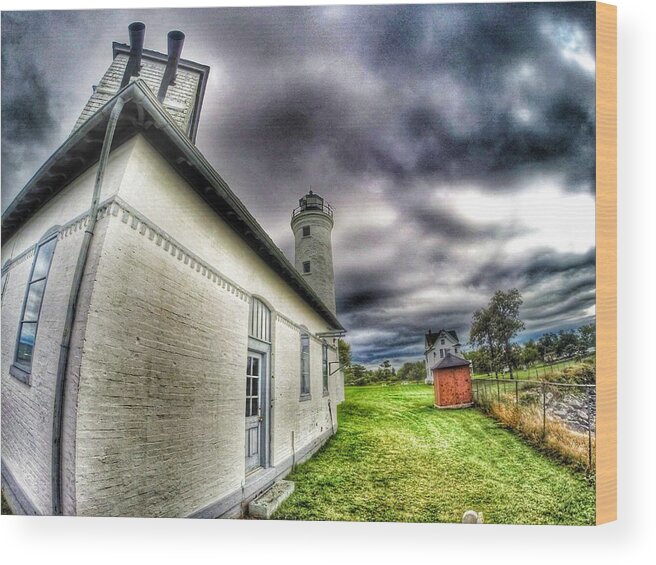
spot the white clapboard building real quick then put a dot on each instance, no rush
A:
(436, 348)
(160, 355)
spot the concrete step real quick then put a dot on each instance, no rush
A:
(267, 503)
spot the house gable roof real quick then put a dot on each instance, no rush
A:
(431, 338)
(449, 361)
(143, 114)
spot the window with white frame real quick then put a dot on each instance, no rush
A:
(31, 311)
(305, 364)
(326, 366)
(260, 321)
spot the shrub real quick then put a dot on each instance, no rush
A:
(576, 373)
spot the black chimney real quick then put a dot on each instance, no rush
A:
(175, 42)
(137, 32)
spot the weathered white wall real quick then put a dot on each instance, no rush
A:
(27, 410)
(151, 186)
(160, 412)
(160, 429)
(308, 418)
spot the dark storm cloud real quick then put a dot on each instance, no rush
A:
(445, 223)
(388, 111)
(535, 266)
(27, 111)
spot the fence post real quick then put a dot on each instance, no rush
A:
(544, 410)
(498, 393)
(516, 392)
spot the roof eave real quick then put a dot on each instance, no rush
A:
(256, 237)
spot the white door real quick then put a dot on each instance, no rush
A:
(254, 410)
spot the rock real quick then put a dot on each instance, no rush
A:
(472, 517)
(266, 504)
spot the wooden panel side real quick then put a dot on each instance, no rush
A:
(606, 239)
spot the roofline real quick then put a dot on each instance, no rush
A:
(463, 362)
(140, 93)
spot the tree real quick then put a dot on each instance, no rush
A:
(505, 322)
(344, 352)
(482, 335)
(530, 353)
(358, 375)
(412, 371)
(568, 344)
(480, 359)
(547, 346)
(588, 335)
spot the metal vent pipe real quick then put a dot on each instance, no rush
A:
(175, 42)
(137, 32)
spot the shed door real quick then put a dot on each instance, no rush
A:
(254, 415)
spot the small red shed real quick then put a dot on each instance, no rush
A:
(452, 382)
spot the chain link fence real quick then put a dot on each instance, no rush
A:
(560, 416)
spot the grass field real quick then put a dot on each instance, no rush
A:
(396, 458)
(538, 371)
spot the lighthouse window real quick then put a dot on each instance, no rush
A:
(306, 231)
(306, 267)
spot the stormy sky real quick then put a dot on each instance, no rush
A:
(455, 142)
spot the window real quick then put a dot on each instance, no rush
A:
(306, 267)
(32, 307)
(442, 342)
(324, 351)
(252, 385)
(306, 231)
(260, 321)
(305, 365)
(441, 353)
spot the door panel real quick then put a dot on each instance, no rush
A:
(254, 406)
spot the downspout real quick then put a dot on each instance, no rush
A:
(58, 416)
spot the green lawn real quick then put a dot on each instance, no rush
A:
(396, 458)
(533, 373)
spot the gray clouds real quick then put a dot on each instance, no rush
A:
(456, 143)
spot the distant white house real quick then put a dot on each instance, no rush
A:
(437, 346)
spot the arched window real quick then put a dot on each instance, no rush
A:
(260, 321)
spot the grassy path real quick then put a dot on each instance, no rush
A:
(396, 458)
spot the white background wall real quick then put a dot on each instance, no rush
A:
(173, 541)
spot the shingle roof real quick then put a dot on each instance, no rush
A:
(450, 360)
(431, 338)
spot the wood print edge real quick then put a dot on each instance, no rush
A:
(606, 244)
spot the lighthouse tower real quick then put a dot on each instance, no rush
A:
(312, 224)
